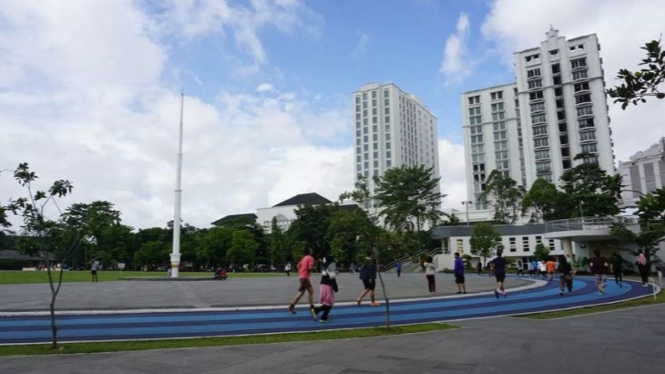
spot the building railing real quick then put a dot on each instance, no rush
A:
(588, 223)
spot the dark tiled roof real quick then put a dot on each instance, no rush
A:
(305, 199)
(9, 254)
(233, 217)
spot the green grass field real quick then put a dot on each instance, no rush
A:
(28, 277)
(71, 348)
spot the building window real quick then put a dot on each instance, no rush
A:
(542, 155)
(475, 120)
(499, 126)
(500, 146)
(584, 111)
(476, 130)
(558, 91)
(590, 148)
(578, 63)
(536, 83)
(502, 165)
(538, 95)
(500, 116)
(586, 123)
(538, 118)
(539, 130)
(584, 86)
(473, 100)
(474, 111)
(478, 158)
(556, 69)
(556, 80)
(533, 73)
(478, 148)
(580, 99)
(502, 155)
(537, 107)
(460, 246)
(387, 119)
(512, 244)
(525, 243)
(543, 167)
(552, 246)
(539, 240)
(500, 135)
(498, 95)
(541, 142)
(554, 52)
(498, 107)
(476, 139)
(582, 74)
(563, 127)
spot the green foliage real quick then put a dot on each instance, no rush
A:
(541, 252)
(485, 240)
(504, 196)
(310, 229)
(407, 195)
(352, 235)
(543, 200)
(644, 82)
(243, 247)
(651, 222)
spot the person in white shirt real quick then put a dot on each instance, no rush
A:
(430, 270)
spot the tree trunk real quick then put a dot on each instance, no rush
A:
(54, 328)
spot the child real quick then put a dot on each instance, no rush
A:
(327, 290)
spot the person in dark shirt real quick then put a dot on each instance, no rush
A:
(598, 266)
(565, 275)
(617, 269)
(499, 264)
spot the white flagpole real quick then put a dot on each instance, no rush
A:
(175, 255)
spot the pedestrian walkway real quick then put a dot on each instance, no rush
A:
(231, 321)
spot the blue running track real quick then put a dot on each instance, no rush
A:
(160, 325)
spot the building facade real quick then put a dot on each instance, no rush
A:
(554, 111)
(643, 173)
(393, 128)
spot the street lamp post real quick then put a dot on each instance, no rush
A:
(466, 204)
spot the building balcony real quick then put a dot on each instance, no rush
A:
(587, 228)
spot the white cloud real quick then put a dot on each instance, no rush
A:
(622, 27)
(453, 178)
(265, 87)
(90, 104)
(455, 67)
(361, 46)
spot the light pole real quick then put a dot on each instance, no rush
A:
(466, 204)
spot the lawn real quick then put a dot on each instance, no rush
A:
(96, 347)
(26, 277)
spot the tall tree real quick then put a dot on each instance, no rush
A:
(407, 195)
(311, 227)
(504, 196)
(639, 85)
(543, 201)
(352, 235)
(51, 239)
(651, 222)
(243, 247)
(589, 190)
(485, 240)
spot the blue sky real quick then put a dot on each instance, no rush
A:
(90, 92)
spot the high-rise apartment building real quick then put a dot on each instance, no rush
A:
(393, 128)
(556, 110)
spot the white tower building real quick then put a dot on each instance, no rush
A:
(393, 128)
(556, 110)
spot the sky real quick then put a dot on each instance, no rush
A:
(90, 91)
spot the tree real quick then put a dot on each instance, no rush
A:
(637, 86)
(279, 249)
(352, 235)
(243, 247)
(651, 222)
(541, 252)
(485, 240)
(543, 200)
(311, 228)
(407, 195)
(504, 196)
(588, 190)
(51, 239)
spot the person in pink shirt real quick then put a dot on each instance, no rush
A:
(305, 267)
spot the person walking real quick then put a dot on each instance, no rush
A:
(93, 270)
(617, 269)
(520, 268)
(327, 290)
(565, 275)
(479, 268)
(459, 274)
(599, 266)
(430, 271)
(643, 268)
(529, 268)
(398, 269)
(368, 276)
(499, 264)
(542, 269)
(550, 265)
(305, 267)
(287, 269)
